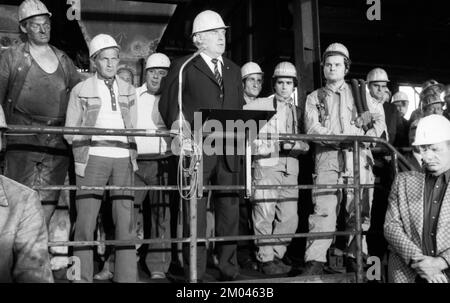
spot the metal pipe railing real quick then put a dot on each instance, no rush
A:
(193, 240)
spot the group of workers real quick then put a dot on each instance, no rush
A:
(39, 85)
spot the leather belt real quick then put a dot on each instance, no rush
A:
(112, 143)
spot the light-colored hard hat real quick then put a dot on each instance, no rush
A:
(432, 129)
(206, 21)
(30, 8)
(2, 120)
(400, 97)
(336, 49)
(100, 42)
(285, 69)
(157, 60)
(377, 75)
(250, 68)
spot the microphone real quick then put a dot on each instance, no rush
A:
(183, 179)
(180, 86)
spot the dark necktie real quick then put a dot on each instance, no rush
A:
(217, 74)
(109, 83)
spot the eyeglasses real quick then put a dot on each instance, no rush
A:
(35, 27)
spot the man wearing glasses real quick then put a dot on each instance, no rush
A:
(35, 82)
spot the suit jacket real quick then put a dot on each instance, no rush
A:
(404, 225)
(201, 90)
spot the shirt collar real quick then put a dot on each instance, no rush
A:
(338, 89)
(446, 176)
(208, 58)
(287, 101)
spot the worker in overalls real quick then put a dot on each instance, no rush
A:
(275, 163)
(331, 110)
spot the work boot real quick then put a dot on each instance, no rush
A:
(286, 268)
(270, 268)
(313, 268)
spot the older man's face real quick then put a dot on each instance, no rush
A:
(436, 157)
(214, 42)
(106, 63)
(253, 85)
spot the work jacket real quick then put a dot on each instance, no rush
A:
(82, 111)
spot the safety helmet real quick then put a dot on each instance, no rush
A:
(31, 8)
(431, 86)
(432, 129)
(377, 75)
(2, 119)
(400, 97)
(206, 21)
(157, 60)
(250, 68)
(336, 49)
(285, 69)
(431, 98)
(101, 42)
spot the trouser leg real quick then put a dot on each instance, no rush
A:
(159, 254)
(324, 216)
(226, 211)
(88, 204)
(263, 214)
(286, 217)
(125, 267)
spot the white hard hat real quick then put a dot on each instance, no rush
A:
(400, 97)
(30, 8)
(157, 60)
(377, 75)
(100, 42)
(336, 49)
(250, 68)
(285, 69)
(2, 120)
(207, 20)
(432, 129)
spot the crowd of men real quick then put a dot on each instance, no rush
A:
(39, 86)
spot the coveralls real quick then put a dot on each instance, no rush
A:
(334, 165)
(274, 210)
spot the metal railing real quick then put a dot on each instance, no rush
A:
(193, 239)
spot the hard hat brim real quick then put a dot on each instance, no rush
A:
(97, 52)
(48, 14)
(257, 73)
(208, 30)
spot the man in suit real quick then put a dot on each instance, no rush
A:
(209, 81)
(417, 225)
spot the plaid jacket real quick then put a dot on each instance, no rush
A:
(403, 226)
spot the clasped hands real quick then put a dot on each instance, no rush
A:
(430, 268)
